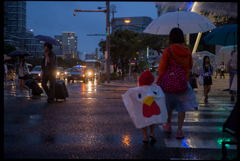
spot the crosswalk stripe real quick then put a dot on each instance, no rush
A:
(200, 120)
(209, 115)
(194, 143)
(204, 113)
(188, 129)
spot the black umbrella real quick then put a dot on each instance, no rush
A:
(48, 39)
(19, 53)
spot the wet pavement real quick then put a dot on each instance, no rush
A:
(93, 123)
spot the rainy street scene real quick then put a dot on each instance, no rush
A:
(120, 80)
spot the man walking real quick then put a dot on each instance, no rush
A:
(49, 66)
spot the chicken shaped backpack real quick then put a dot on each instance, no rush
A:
(174, 79)
(146, 103)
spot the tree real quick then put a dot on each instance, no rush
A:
(123, 46)
(154, 42)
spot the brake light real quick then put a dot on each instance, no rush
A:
(82, 71)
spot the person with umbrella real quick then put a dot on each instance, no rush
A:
(49, 66)
(23, 71)
(231, 75)
(180, 101)
(206, 70)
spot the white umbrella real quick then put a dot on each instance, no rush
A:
(227, 49)
(188, 22)
(198, 60)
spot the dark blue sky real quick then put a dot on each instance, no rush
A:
(52, 17)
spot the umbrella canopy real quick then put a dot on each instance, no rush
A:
(188, 22)
(48, 39)
(6, 57)
(225, 36)
(226, 49)
(198, 60)
(19, 53)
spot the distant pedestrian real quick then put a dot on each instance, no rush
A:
(222, 67)
(231, 75)
(49, 67)
(23, 71)
(135, 72)
(5, 71)
(218, 71)
(206, 70)
(181, 101)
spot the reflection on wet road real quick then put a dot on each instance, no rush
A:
(94, 123)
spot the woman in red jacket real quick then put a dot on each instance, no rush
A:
(181, 101)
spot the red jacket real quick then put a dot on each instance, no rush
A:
(182, 56)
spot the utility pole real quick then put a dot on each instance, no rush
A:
(108, 41)
(107, 36)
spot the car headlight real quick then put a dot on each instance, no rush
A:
(39, 74)
(89, 73)
(57, 73)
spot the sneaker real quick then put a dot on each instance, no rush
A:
(166, 127)
(19, 95)
(179, 135)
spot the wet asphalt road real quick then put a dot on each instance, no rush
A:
(94, 123)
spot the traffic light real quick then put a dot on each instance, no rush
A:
(107, 31)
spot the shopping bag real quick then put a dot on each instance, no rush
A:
(200, 80)
(234, 83)
(146, 105)
(193, 81)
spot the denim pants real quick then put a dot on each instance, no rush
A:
(49, 91)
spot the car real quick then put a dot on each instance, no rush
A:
(90, 73)
(60, 75)
(36, 73)
(68, 70)
(77, 73)
(11, 74)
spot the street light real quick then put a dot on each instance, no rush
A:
(127, 21)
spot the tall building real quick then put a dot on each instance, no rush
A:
(137, 24)
(69, 45)
(15, 31)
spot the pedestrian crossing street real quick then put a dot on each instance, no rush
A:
(202, 128)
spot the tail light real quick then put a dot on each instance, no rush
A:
(82, 71)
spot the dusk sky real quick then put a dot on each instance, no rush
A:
(52, 17)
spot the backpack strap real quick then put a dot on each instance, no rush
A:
(170, 54)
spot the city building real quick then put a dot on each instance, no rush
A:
(137, 24)
(69, 45)
(15, 31)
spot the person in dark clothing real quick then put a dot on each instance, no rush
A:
(49, 66)
(135, 72)
(206, 70)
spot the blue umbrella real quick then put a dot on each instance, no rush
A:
(48, 39)
(19, 53)
(224, 36)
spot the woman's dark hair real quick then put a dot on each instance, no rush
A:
(176, 36)
(223, 63)
(205, 57)
(48, 45)
(23, 60)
